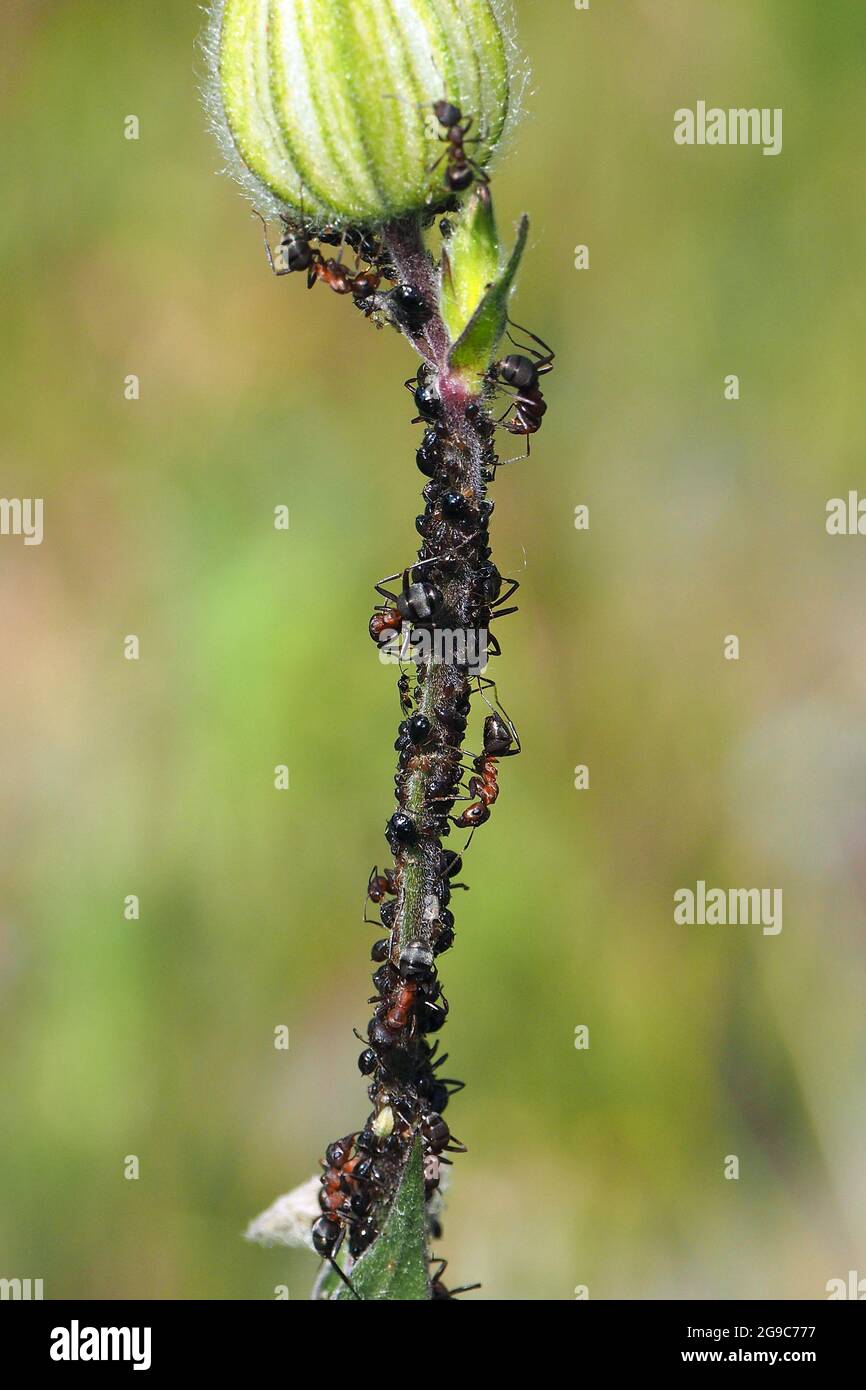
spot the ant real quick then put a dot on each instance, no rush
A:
(460, 171)
(340, 1200)
(294, 252)
(404, 693)
(523, 374)
(417, 603)
(499, 737)
(378, 888)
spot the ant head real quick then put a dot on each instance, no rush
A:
(337, 1153)
(447, 113)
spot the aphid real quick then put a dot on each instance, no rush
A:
(401, 831)
(428, 402)
(418, 727)
(429, 456)
(407, 308)
(460, 171)
(523, 373)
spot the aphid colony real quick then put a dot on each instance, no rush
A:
(453, 584)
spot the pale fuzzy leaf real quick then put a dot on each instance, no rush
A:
(289, 1219)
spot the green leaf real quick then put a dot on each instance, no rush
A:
(396, 1266)
(475, 348)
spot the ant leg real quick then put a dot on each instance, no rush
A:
(345, 1278)
(481, 174)
(504, 612)
(386, 593)
(519, 459)
(269, 253)
(332, 1261)
(546, 355)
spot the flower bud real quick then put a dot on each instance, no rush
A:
(325, 107)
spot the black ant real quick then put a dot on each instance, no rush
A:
(523, 373)
(404, 693)
(461, 171)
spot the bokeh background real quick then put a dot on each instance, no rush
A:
(155, 1037)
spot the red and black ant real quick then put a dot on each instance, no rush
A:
(523, 373)
(461, 171)
(378, 888)
(295, 252)
(500, 738)
(418, 603)
(340, 1203)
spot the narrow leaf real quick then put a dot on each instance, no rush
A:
(396, 1265)
(470, 263)
(475, 348)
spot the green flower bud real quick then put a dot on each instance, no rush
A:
(326, 106)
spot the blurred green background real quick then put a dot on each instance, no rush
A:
(154, 1038)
